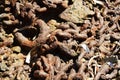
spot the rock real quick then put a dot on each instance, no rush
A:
(16, 49)
(76, 12)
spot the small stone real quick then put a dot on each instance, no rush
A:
(16, 49)
(3, 66)
(119, 72)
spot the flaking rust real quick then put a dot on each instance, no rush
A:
(76, 13)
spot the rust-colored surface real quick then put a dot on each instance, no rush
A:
(59, 39)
